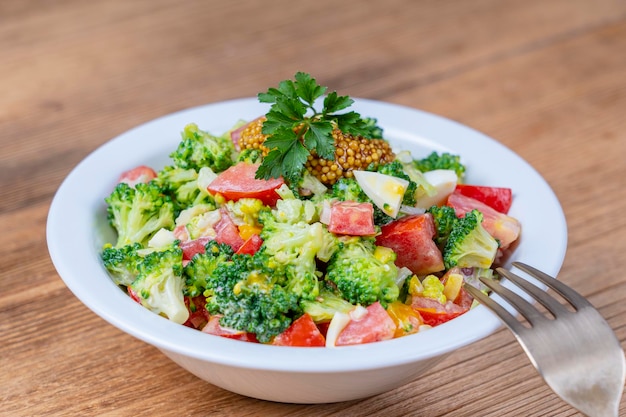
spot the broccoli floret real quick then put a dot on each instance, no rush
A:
(469, 244)
(250, 155)
(136, 213)
(444, 218)
(249, 295)
(444, 160)
(293, 246)
(348, 189)
(293, 210)
(159, 284)
(395, 169)
(202, 266)
(323, 308)
(360, 276)
(183, 187)
(201, 149)
(122, 263)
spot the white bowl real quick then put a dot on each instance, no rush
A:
(77, 228)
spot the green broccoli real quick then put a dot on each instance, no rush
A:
(122, 263)
(469, 244)
(183, 187)
(361, 275)
(136, 213)
(293, 245)
(250, 155)
(444, 218)
(202, 265)
(444, 160)
(159, 283)
(323, 308)
(348, 189)
(250, 296)
(201, 149)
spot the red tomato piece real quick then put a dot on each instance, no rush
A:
(374, 326)
(198, 315)
(215, 328)
(239, 181)
(411, 238)
(499, 225)
(498, 198)
(351, 218)
(302, 332)
(227, 232)
(433, 312)
(323, 327)
(136, 175)
(251, 245)
(193, 247)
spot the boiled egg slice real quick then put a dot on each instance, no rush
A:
(385, 191)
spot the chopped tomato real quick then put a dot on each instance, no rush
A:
(351, 218)
(251, 245)
(323, 327)
(302, 332)
(503, 227)
(215, 328)
(374, 326)
(411, 238)
(498, 198)
(198, 315)
(193, 247)
(407, 319)
(136, 175)
(227, 232)
(239, 181)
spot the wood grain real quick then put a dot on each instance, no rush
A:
(544, 77)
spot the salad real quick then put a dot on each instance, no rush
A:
(303, 227)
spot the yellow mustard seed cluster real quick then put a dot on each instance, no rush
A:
(252, 137)
(351, 153)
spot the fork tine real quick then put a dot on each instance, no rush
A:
(575, 299)
(525, 308)
(550, 303)
(511, 322)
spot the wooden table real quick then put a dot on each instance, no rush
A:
(547, 78)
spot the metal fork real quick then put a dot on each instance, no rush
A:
(576, 352)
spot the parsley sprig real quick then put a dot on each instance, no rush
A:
(295, 127)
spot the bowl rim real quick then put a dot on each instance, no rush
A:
(80, 198)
